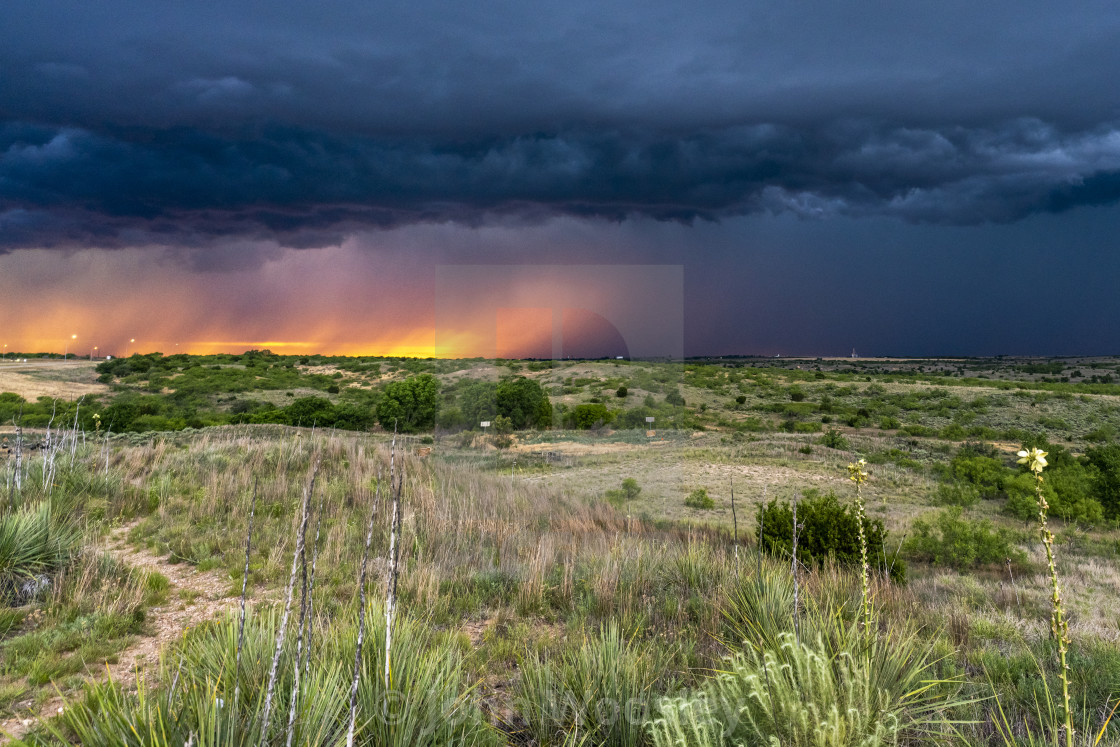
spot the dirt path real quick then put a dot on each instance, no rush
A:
(193, 598)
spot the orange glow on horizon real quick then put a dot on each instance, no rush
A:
(318, 301)
(340, 300)
(407, 348)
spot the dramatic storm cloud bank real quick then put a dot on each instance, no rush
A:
(70, 185)
(183, 124)
(896, 175)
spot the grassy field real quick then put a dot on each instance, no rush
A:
(533, 596)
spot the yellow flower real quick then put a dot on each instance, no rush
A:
(856, 472)
(1035, 459)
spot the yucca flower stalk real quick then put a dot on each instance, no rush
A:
(1035, 461)
(301, 535)
(859, 476)
(244, 592)
(362, 615)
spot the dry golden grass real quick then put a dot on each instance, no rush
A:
(50, 378)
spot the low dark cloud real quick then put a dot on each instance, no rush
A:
(63, 186)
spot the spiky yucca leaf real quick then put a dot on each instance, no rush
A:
(600, 692)
(802, 695)
(33, 542)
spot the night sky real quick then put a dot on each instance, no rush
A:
(902, 178)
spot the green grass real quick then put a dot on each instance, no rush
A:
(522, 582)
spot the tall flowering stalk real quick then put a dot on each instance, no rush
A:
(1035, 461)
(858, 475)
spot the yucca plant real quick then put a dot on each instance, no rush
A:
(193, 699)
(429, 703)
(758, 609)
(599, 693)
(33, 542)
(801, 695)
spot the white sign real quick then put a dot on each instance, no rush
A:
(485, 423)
(649, 420)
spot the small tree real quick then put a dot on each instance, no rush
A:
(412, 404)
(502, 425)
(524, 402)
(588, 416)
(1106, 481)
(833, 440)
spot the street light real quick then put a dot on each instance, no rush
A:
(92, 352)
(66, 350)
(129, 351)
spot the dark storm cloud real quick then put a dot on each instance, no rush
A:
(180, 123)
(65, 186)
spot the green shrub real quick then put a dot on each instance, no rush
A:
(699, 498)
(953, 432)
(956, 493)
(833, 439)
(1106, 482)
(980, 465)
(629, 490)
(759, 607)
(829, 530)
(1023, 504)
(588, 416)
(956, 542)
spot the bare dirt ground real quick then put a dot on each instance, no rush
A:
(50, 378)
(193, 598)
